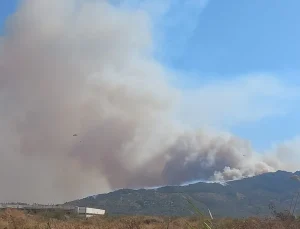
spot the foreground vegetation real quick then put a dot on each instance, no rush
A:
(13, 219)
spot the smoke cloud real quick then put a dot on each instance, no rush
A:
(85, 108)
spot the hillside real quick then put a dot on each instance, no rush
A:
(240, 198)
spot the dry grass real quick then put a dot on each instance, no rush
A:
(12, 219)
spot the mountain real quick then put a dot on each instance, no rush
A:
(239, 198)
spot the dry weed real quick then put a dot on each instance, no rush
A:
(12, 219)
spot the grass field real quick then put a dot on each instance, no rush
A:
(13, 219)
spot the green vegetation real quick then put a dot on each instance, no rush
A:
(250, 197)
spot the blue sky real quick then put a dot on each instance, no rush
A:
(234, 37)
(231, 43)
(237, 37)
(7, 7)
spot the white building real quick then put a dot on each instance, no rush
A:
(89, 212)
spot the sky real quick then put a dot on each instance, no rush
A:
(228, 40)
(241, 37)
(225, 40)
(160, 91)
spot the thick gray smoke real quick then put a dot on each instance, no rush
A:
(85, 68)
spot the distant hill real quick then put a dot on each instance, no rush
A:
(240, 198)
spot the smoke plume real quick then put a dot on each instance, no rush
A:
(86, 108)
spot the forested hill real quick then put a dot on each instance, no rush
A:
(240, 198)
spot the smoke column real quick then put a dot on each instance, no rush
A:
(85, 108)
